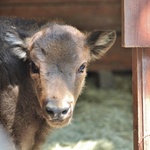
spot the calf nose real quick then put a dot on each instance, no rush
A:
(57, 112)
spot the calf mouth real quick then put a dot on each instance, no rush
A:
(58, 123)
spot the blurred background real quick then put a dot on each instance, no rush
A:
(103, 114)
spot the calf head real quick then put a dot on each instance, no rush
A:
(58, 56)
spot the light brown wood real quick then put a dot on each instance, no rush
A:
(146, 97)
(137, 86)
(136, 26)
(141, 98)
(136, 29)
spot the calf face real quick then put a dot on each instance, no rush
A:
(58, 57)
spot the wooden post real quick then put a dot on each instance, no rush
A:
(136, 34)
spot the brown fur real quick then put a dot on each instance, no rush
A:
(43, 69)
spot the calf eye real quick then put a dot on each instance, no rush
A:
(82, 68)
(34, 68)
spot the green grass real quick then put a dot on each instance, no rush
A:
(102, 120)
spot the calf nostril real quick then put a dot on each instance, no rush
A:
(50, 111)
(65, 111)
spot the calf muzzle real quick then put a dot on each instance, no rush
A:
(56, 112)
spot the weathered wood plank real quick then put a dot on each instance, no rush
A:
(146, 97)
(137, 99)
(136, 25)
(136, 29)
(86, 17)
(58, 1)
(141, 98)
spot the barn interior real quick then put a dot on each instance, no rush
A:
(103, 114)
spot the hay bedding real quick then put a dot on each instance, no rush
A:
(102, 121)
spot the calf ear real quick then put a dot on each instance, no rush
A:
(100, 42)
(16, 40)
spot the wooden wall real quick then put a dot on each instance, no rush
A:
(86, 15)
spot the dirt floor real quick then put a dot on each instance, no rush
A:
(102, 120)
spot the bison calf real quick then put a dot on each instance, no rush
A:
(42, 72)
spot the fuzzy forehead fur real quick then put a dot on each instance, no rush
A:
(60, 43)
